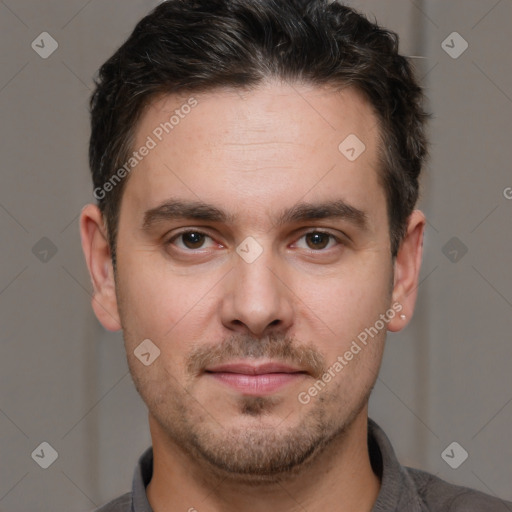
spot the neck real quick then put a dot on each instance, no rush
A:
(339, 478)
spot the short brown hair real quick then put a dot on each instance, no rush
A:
(198, 45)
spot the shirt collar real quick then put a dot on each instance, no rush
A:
(397, 491)
(141, 478)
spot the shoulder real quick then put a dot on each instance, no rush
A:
(121, 504)
(439, 495)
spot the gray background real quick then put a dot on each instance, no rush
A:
(64, 380)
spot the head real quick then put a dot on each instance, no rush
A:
(256, 166)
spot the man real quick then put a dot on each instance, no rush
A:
(256, 166)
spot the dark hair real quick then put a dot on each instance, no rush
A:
(184, 46)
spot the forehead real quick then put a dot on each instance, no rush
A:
(275, 144)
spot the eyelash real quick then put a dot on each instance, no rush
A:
(178, 235)
(315, 231)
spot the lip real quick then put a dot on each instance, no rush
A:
(255, 379)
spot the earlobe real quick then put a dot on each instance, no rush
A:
(407, 269)
(99, 263)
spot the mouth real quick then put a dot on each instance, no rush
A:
(255, 379)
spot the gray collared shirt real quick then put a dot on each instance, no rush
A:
(402, 489)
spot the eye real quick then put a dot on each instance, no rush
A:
(190, 240)
(318, 240)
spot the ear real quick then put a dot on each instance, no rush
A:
(99, 263)
(407, 270)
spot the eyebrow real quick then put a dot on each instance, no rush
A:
(338, 209)
(174, 209)
(177, 209)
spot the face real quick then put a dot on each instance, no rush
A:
(256, 258)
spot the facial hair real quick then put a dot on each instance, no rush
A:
(252, 452)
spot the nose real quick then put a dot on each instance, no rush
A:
(257, 301)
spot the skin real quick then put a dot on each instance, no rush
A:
(302, 301)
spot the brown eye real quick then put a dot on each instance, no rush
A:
(317, 240)
(192, 243)
(193, 239)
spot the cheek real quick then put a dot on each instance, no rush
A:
(148, 305)
(174, 312)
(344, 304)
(153, 296)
